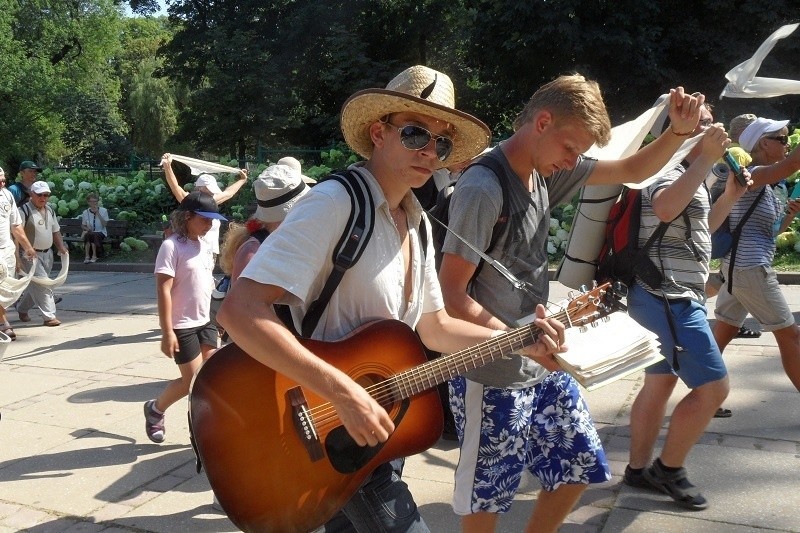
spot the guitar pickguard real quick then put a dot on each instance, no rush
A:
(345, 455)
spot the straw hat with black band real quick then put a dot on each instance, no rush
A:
(417, 89)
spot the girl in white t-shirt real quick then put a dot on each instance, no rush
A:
(183, 284)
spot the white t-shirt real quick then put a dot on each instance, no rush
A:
(298, 258)
(92, 221)
(190, 263)
(9, 216)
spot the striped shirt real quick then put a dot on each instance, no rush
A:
(683, 262)
(756, 244)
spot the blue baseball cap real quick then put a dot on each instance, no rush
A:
(202, 204)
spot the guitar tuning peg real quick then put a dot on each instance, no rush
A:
(583, 289)
(594, 284)
(583, 329)
(605, 318)
(594, 324)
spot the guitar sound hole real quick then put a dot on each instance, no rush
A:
(345, 455)
(383, 393)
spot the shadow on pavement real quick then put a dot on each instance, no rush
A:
(137, 393)
(99, 339)
(199, 519)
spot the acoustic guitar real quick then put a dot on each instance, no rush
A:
(277, 456)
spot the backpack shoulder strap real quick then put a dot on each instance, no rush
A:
(737, 233)
(25, 210)
(351, 244)
(502, 178)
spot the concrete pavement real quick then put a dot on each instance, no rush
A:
(74, 455)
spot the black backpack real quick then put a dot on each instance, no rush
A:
(621, 258)
(441, 211)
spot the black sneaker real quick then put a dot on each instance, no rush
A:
(153, 423)
(636, 479)
(676, 485)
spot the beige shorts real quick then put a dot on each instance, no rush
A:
(755, 291)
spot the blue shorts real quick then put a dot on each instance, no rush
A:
(545, 429)
(701, 362)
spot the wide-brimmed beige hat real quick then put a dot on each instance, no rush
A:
(417, 89)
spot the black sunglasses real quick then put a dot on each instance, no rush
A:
(416, 138)
(783, 139)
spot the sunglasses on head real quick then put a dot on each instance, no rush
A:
(415, 137)
(783, 139)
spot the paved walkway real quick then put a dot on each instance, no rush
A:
(74, 456)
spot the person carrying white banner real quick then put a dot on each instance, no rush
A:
(10, 225)
(206, 183)
(42, 229)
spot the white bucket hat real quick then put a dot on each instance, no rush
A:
(417, 89)
(277, 189)
(209, 182)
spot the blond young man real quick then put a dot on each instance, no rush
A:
(516, 400)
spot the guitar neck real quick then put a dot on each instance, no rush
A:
(432, 373)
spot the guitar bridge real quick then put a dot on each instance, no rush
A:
(303, 424)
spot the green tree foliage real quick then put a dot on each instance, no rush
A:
(277, 73)
(636, 50)
(149, 101)
(55, 53)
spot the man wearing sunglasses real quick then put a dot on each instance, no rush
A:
(755, 289)
(515, 399)
(42, 229)
(405, 131)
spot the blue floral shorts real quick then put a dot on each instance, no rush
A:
(546, 429)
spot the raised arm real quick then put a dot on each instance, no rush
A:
(172, 180)
(670, 202)
(684, 114)
(233, 188)
(769, 174)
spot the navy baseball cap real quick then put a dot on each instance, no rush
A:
(25, 165)
(202, 204)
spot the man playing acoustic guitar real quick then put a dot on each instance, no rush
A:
(405, 132)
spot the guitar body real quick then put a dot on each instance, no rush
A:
(265, 474)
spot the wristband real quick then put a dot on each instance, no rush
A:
(680, 134)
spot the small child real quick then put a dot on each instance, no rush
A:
(183, 283)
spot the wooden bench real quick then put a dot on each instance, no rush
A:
(71, 231)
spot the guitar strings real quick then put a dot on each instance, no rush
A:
(324, 415)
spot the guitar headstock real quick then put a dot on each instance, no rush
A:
(591, 305)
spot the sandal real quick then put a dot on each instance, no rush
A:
(9, 332)
(723, 413)
(746, 333)
(676, 485)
